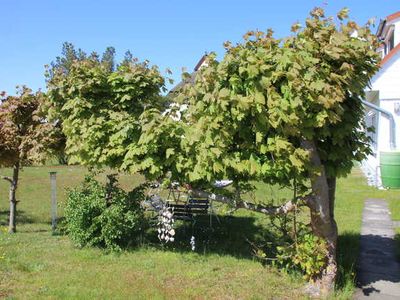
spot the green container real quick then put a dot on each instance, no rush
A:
(390, 169)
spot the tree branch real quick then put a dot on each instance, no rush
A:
(7, 178)
(267, 210)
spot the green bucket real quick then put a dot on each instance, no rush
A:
(390, 169)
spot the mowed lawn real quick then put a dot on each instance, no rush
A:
(39, 265)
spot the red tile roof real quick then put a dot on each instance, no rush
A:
(393, 16)
(396, 49)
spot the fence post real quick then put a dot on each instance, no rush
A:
(53, 200)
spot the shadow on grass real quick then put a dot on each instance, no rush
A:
(348, 248)
(231, 236)
(22, 218)
(225, 235)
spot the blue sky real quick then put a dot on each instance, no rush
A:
(169, 33)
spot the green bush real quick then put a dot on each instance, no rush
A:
(307, 253)
(104, 215)
(292, 246)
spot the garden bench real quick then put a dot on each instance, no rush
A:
(194, 206)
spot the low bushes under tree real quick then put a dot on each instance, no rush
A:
(104, 215)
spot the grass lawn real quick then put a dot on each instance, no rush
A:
(37, 265)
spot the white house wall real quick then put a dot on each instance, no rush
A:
(387, 82)
(397, 32)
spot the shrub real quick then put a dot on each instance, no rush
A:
(104, 215)
(307, 254)
(292, 246)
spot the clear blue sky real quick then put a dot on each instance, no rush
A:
(170, 33)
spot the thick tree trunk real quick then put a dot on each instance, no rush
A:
(12, 228)
(332, 192)
(322, 219)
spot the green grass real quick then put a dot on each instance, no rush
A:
(39, 265)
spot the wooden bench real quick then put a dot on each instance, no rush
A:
(193, 207)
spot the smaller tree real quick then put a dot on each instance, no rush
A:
(101, 108)
(25, 137)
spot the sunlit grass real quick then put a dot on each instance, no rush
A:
(39, 265)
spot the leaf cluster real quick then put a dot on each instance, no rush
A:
(246, 116)
(100, 108)
(104, 215)
(25, 134)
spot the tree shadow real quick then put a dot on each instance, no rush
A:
(348, 248)
(224, 235)
(22, 218)
(397, 246)
(368, 259)
(377, 262)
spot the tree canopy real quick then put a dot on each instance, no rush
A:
(282, 111)
(25, 135)
(248, 114)
(100, 108)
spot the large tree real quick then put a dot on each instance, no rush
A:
(284, 112)
(25, 137)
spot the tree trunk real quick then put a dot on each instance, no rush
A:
(332, 191)
(322, 220)
(12, 228)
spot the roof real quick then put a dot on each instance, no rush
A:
(389, 18)
(381, 27)
(392, 17)
(192, 77)
(180, 85)
(392, 53)
(200, 63)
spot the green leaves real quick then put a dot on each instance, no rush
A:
(243, 118)
(224, 94)
(343, 14)
(101, 109)
(248, 114)
(259, 98)
(169, 152)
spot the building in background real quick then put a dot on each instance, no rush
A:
(385, 95)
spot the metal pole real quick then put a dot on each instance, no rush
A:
(53, 200)
(392, 125)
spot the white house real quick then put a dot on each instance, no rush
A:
(384, 94)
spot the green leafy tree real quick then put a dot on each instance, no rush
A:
(108, 58)
(284, 112)
(68, 55)
(61, 67)
(100, 108)
(25, 137)
(62, 64)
